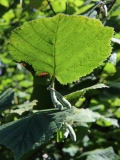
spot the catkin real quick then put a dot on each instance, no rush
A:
(71, 132)
(55, 101)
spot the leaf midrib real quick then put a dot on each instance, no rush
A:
(54, 49)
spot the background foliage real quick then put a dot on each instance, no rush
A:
(106, 101)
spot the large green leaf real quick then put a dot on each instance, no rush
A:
(30, 132)
(66, 47)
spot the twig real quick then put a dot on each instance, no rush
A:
(66, 5)
(51, 7)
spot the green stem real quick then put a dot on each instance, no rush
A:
(53, 82)
(51, 7)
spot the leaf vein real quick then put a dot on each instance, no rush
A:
(54, 49)
(68, 47)
(68, 68)
(32, 57)
(32, 45)
(46, 27)
(39, 125)
(66, 24)
(81, 48)
(24, 134)
(69, 33)
(40, 35)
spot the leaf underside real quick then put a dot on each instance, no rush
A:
(66, 47)
(32, 131)
(83, 116)
(101, 154)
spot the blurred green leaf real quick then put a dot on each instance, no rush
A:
(25, 84)
(109, 69)
(18, 77)
(4, 3)
(72, 150)
(101, 154)
(38, 3)
(117, 113)
(108, 121)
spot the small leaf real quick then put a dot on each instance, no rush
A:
(83, 116)
(24, 107)
(66, 47)
(74, 96)
(29, 132)
(6, 99)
